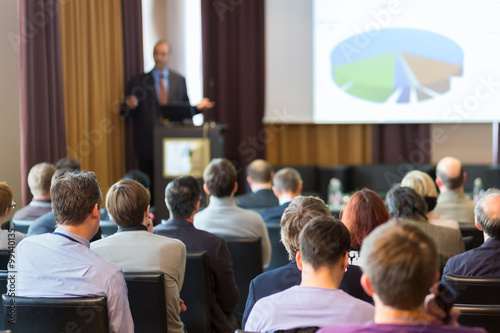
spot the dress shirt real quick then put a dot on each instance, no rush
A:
(62, 265)
(398, 328)
(156, 77)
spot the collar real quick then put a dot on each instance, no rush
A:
(285, 201)
(140, 227)
(40, 203)
(452, 195)
(76, 237)
(156, 74)
(224, 201)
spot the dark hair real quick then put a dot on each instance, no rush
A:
(488, 223)
(68, 163)
(287, 180)
(127, 201)
(323, 241)
(260, 171)
(451, 183)
(301, 210)
(182, 195)
(404, 202)
(138, 176)
(220, 177)
(74, 196)
(401, 262)
(364, 212)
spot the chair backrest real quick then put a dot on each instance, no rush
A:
(279, 256)
(247, 264)
(108, 228)
(196, 293)
(146, 297)
(22, 225)
(474, 289)
(485, 316)
(4, 259)
(468, 242)
(3, 290)
(477, 235)
(27, 314)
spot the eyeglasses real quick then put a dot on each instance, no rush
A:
(13, 205)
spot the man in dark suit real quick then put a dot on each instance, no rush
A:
(145, 93)
(484, 260)
(183, 200)
(260, 179)
(287, 186)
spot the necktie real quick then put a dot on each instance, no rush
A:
(163, 91)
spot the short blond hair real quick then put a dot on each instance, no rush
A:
(126, 201)
(40, 177)
(421, 182)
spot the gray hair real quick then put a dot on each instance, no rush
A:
(489, 225)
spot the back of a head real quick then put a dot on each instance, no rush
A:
(6, 196)
(138, 176)
(301, 210)
(127, 201)
(287, 180)
(487, 212)
(405, 203)
(421, 182)
(260, 171)
(182, 195)
(451, 173)
(364, 212)
(39, 179)
(74, 196)
(401, 263)
(219, 177)
(324, 241)
(68, 163)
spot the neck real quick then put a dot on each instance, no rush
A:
(444, 189)
(258, 187)
(323, 277)
(388, 315)
(286, 197)
(42, 197)
(81, 230)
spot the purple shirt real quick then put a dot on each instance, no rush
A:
(301, 306)
(393, 328)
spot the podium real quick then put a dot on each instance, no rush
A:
(183, 150)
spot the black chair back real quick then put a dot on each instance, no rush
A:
(146, 297)
(4, 259)
(27, 314)
(477, 236)
(108, 228)
(485, 316)
(196, 293)
(279, 256)
(22, 225)
(3, 290)
(474, 289)
(247, 264)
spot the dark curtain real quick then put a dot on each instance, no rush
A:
(233, 76)
(401, 143)
(133, 64)
(43, 136)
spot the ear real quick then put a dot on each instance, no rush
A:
(299, 189)
(206, 189)
(96, 212)
(465, 177)
(235, 187)
(146, 213)
(197, 207)
(298, 259)
(345, 261)
(439, 182)
(367, 285)
(276, 193)
(272, 177)
(249, 181)
(478, 226)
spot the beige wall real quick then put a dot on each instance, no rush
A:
(10, 163)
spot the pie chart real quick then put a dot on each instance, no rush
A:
(401, 65)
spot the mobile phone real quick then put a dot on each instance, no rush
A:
(444, 299)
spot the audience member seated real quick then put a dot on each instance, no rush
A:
(8, 239)
(222, 216)
(423, 184)
(61, 264)
(260, 179)
(287, 185)
(39, 179)
(405, 205)
(364, 211)
(452, 203)
(484, 260)
(136, 249)
(182, 197)
(323, 258)
(300, 211)
(400, 266)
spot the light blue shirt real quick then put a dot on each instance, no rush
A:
(52, 265)
(156, 77)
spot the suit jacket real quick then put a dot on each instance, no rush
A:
(482, 261)
(257, 200)
(273, 214)
(284, 277)
(147, 115)
(223, 287)
(141, 251)
(453, 205)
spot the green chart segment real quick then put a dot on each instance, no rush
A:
(396, 64)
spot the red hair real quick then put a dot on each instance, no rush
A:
(364, 212)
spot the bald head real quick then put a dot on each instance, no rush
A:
(260, 172)
(450, 174)
(487, 213)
